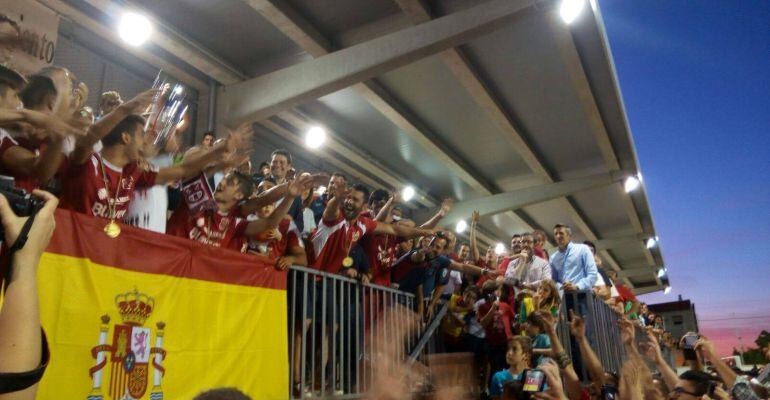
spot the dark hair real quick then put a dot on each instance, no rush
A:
(557, 226)
(515, 235)
(341, 175)
(263, 164)
(590, 244)
(209, 133)
(700, 379)
(11, 79)
(536, 319)
(222, 394)
(6, 19)
(524, 341)
(378, 195)
(465, 244)
(473, 289)
(285, 153)
(361, 188)
(245, 183)
(38, 89)
(128, 124)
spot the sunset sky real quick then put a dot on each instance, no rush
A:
(695, 78)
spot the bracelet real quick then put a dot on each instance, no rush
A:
(563, 360)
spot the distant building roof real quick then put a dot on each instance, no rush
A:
(682, 305)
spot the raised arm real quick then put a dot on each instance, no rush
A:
(471, 269)
(100, 129)
(706, 347)
(272, 222)
(385, 211)
(332, 210)
(651, 349)
(396, 230)
(446, 206)
(475, 255)
(191, 166)
(577, 328)
(571, 380)
(21, 341)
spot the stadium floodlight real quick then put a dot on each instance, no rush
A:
(315, 137)
(652, 242)
(632, 183)
(134, 28)
(461, 226)
(408, 193)
(667, 290)
(499, 249)
(570, 10)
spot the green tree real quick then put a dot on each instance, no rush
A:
(756, 355)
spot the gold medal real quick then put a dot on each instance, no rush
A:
(347, 262)
(112, 229)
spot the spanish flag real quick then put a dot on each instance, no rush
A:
(150, 316)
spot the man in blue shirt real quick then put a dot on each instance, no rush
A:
(572, 266)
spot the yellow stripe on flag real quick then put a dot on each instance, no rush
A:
(214, 334)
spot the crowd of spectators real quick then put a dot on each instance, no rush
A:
(503, 308)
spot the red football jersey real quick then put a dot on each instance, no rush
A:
(380, 249)
(83, 188)
(277, 248)
(332, 241)
(226, 230)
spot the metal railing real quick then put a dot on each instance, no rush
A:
(601, 330)
(344, 334)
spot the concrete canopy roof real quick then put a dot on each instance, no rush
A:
(530, 103)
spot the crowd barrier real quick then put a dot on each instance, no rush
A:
(344, 335)
(601, 330)
(369, 330)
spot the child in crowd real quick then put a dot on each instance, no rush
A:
(496, 317)
(453, 324)
(547, 298)
(536, 329)
(518, 357)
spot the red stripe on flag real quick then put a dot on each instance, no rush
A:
(79, 235)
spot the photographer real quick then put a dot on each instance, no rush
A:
(22, 344)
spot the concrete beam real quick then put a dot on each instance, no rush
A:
(521, 198)
(334, 143)
(466, 75)
(648, 289)
(175, 43)
(638, 271)
(629, 240)
(323, 154)
(261, 97)
(294, 26)
(90, 24)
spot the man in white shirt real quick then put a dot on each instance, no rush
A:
(528, 270)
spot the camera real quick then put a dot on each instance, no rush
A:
(609, 392)
(688, 344)
(21, 202)
(534, 380)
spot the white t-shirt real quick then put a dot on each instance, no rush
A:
(455, 281)
(474, 326)
(148, 208)
(309, 219)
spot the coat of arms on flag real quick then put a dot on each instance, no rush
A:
(130, 352)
